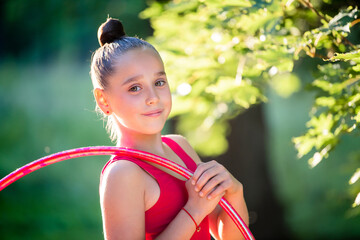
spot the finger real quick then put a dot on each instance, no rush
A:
(206, 176)
(201, 167)
(211, 185)
(220, 189)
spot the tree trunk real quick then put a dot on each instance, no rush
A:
(247, 160)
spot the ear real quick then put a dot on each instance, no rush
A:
(101, 100)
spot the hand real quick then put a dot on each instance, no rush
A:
(199, 207)
(211, 180)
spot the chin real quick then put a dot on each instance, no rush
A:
(150, 130)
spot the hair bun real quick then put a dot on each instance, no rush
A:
(110, 31)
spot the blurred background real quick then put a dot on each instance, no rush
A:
(47, 106)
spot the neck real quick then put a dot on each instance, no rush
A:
(151, 143)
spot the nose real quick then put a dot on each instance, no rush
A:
(152, 97)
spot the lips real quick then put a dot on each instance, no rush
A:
(154, 113)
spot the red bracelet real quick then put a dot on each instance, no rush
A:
(198, 228)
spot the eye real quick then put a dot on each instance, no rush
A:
(160, 83)
(134, 89)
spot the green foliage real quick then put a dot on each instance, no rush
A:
(222, 57)
(59, 201)
(46, 106)
(41, 29)
(336, 107)
(317, 202)
(225, 54)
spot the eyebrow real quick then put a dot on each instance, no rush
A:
(160, 73)
(132, 79)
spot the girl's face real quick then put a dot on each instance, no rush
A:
(138, 92)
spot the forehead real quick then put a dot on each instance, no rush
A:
(138, 60)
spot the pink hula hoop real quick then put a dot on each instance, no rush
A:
(108, 150)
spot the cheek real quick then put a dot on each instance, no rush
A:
(167, 99)
(123, 104)
(170, 102)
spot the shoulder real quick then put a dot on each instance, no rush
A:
(121, 174)
(122, 194)
(185, 145)
(122, 168)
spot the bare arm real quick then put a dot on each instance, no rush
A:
(212, 179)
(122, 202)
(122, 197)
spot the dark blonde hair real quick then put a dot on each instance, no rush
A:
(113, 43)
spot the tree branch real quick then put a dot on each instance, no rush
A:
(309, 5)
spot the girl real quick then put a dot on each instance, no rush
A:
(139, 200)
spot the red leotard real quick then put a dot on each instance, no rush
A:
(173, 194)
